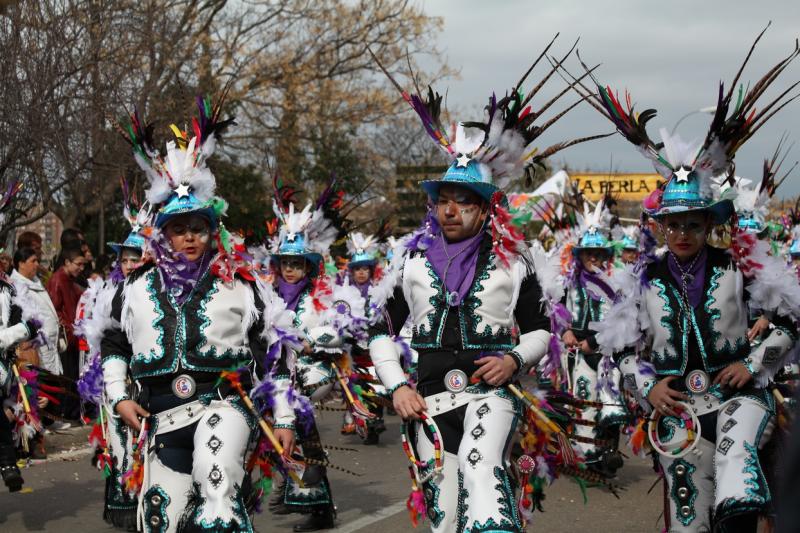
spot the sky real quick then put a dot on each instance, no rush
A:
(670, 54)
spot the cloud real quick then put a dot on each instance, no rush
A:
(671, 56)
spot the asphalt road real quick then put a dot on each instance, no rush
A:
(65, 493)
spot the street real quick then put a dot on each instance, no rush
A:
(65, 493)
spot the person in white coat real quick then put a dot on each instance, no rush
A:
(28, 286)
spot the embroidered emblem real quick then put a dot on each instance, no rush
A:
(732, 407)
(455, 381)
(325, 338)
(725, 445)
(771, 355)
(213, 420)
(483, 410)
(214, 444)
(728, 425)
(183, 386)
(474, 457)
(215, 476)
(697, 381)
(478, 431)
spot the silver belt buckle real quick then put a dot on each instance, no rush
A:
(183, 386)
(455, 380)
(697, 381)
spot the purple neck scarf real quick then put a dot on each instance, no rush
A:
(363, 287)
(595, 286)
(290, 292)
(695, 275)
(462, 258)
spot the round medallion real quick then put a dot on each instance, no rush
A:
(455, 380)
(183, 386)
(526, 464)
(697, 381)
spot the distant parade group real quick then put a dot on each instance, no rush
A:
(521, 337)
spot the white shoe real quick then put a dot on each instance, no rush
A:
(59, 425)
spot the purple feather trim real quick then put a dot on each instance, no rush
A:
(646, 369)
(90, 384)
(303, 409)
(116, 276)
(604, 376)
(178, 274)
(423, 236)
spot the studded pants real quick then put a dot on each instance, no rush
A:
(474, 492)
(195, 470)
(722, 477)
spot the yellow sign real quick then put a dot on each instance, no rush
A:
(620, 186)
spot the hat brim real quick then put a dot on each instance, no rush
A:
(119, 246)
(578, 249)
(362, 262)
(206, 212)
(313, 258)
(484, 190)
(720, 211)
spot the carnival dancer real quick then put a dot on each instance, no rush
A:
(300, 280)
(594, 377)
(112, 438)
(627, 242)
(711, 411)
(467, 284)
(193, 311)
(13, 329)
(363, 272)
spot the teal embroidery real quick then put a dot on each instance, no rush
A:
(157, 322)
(485, 339)
(508, 507)
(241, 520)
(432, 491)
(690, 469)
(756, 487)
(300, 309)
(439, 312)
(462, 506)
(666, 323)
(728, 349)
(156, 501)
(583, 388)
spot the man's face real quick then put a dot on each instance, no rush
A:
(593, 258)
(129, 260)
(686, 233)
(189, 235)
(293, 269)
(460, 212)
(361, 274)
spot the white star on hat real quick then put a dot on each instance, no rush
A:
(463, 160)
(682, 175)
(182, 190)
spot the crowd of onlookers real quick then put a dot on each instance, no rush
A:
(54, 288)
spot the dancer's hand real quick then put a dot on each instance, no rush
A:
(758, 328)
(663, 398)
(408, 403)
(130, 411)
(569, 338)
(42, 402)
(286, 437)
(734, 376)
(495, 370)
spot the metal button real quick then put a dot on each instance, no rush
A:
(452, 396)
(686, 510)
(683, 492)
(680, 470)
(155, 521)
(709, 406)
(705, 397)
(155, 499)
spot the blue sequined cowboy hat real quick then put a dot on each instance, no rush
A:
(133, 241)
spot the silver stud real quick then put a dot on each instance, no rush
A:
(686, 510)
(683, 492)
(155, 521)
(680, 470)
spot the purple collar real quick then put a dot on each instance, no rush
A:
(455, 263)
(291, 292)
(694, 272)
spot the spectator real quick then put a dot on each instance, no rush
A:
(26, 263)
(30, 239)
(5, 263)
(65, 292)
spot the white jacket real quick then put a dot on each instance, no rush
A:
(43, 307)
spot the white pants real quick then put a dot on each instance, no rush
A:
(723, 479)
(220, 442)
(474, 492)
(584, 382)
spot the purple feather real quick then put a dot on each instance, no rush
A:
(303, 409)
(178, 274)
(90, 384)
(604, 376)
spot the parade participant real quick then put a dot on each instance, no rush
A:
(594, 378)
(467, 285)
(706, 386)
(192, 311)
(13, 329)
(362, 269)
(302, 242)
(628, 244)
(112, 438)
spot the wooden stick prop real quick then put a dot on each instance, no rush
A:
(358, 407)
(25, 404)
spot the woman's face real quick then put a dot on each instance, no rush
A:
(30, 267)
(685, 233)
(293, 269)
(629, 256)
(189, 235)
(361, 274)
(593, 259)
(129, 261)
